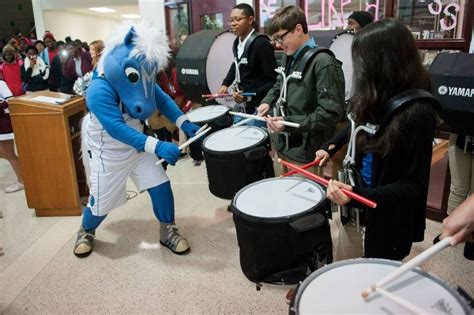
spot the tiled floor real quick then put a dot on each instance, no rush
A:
(131, 273)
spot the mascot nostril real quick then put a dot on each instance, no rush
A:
(139, 109)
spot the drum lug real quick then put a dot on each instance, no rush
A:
(258, 286)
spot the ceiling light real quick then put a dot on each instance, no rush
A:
(103, 10)
(130, 16)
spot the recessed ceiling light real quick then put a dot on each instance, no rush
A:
(130, 16)
(103, 10)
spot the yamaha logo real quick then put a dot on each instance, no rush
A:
(190, 71)
(442, 90)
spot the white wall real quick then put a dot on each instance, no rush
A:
(85, 27)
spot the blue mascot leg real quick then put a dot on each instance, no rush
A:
(89, 221)
(163, 202)
(86, 234)
(163, 207)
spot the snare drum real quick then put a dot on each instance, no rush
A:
(216, 116)
(337, 288)
(342, 48)
(236, 157)
(282, 229)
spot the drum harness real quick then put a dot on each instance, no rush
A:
(241, 61)
(281, 104)
(348, 174)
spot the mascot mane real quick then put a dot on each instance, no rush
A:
(149, 42)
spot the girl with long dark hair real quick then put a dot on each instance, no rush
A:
(394, 164)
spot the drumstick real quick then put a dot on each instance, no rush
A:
(325, 182)
(201, 129)
(243, 122)
(286, 123)
(306, 166)
(402, 302)
(184, 145)
(228, 94)
(420, 258)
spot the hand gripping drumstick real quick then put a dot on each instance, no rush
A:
(325, 182)
(286, 123)
(306, 166)
(420, 258)
(198, 135)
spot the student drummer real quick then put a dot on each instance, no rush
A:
(316, 101)
(258, 74)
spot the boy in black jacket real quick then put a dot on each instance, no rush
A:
(258, 73)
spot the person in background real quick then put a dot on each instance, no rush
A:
(34, 73)
(77, 64)
(51, 50)
(95, 49)
(7, 146)
(10, 70)
(359, 19)
(39, 44)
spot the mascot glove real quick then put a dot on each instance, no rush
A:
(168, 151)
(190, 129)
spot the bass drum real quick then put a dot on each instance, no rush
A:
(342, 48)
(203, 62)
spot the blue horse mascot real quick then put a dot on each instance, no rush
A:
(120, 99)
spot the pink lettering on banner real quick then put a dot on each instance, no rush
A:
(451, 20)
(327, 12)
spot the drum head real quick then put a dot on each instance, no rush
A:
(235, 139)
(218, 62)
(337, 288)
(342, 49)
(207, 113)
(277, 198)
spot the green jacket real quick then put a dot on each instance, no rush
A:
(316, 102)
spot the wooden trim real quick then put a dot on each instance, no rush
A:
(390, 8)
(468, 24)
(455, 44)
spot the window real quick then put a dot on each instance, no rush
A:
(178, 23)
(214, 21)
(433, 19)
(268, 8)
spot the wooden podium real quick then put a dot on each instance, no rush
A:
(47, 134)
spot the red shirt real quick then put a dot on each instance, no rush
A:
(12, 76)
(51, 55)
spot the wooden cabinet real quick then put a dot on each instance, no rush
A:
(48, 140)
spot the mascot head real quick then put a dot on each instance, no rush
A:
(130, 62)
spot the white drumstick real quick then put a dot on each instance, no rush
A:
(201, 129)
(286, 123)
(417, 260)
(243, 122)
(402, 302)
(184, 145)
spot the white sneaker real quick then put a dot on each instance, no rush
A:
(15, 187)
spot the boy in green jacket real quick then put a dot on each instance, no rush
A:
(315, 100)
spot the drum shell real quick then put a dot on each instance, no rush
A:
(191, 64)
(230, 171)
(271, 247)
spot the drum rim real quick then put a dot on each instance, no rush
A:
(350, 32)
(226, 113)
(256, 145)
(302, 287)
(283, 219)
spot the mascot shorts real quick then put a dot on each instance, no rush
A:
(108, 190)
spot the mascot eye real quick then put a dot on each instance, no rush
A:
(132, 75)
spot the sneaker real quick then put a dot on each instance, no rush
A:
(196, 162)
(84, 243)
(15, 187)
(170, 237)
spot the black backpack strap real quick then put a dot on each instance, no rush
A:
(401, 100)
(309, 55)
